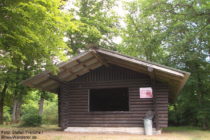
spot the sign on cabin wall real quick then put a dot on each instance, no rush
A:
(145, 92)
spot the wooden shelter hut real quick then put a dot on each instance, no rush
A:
(104, 91)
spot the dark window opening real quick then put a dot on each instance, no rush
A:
(111, 99)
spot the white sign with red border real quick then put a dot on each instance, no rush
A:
(145, 92)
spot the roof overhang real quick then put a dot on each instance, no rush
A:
(95, 58)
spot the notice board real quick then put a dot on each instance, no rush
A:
(145, 92)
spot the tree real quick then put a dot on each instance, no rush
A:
(142, 36)
(3, 92)
(43, 96)
(97, 24)
(181, 28)
(31, 39)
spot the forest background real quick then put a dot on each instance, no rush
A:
(37, 34)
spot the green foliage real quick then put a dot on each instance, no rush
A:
(175, 33)
(97, 23)
(50, 114)
(33, 32)
(171, 32)
(142, 37)
(31, 40)
(32, 120)
(7, 116)
(30, 107)
(30, 115)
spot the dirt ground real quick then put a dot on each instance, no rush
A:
(53, 133)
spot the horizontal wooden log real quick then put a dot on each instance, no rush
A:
(104, 125)
(114, 119)
(140, 103)
(75, 100)
(107, 122)
(111, 116)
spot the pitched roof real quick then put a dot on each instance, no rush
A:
(95, 58)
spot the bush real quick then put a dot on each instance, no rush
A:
(7, 116)
(50, 114)
(32, 120)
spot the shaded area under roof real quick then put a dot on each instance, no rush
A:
(95, 58)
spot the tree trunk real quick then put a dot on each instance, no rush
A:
(2, 95)
(16, 111)
(14, 108)
(41, 106)
(1, 109)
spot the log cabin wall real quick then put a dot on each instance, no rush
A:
(74, 99)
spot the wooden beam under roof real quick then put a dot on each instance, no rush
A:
(176, 78)
(98, 57)
(84, 65)
(83, 71)
(78, 66)
(51, 88)
(56, 79)
(32, 82)
(128, 66)
(47, 83)
(141, 69)
(141, 62)
(63, 64)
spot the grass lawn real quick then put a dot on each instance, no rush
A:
(54, 133)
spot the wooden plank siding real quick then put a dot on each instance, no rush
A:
(74, 102)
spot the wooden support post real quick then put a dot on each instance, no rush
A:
(154, 86)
